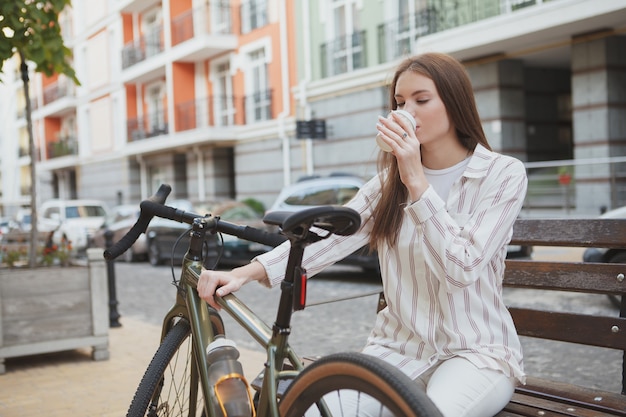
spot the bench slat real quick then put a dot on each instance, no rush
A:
(574, 395)
(571, 327)
(524, 405)
(565, 276)
(599, 233)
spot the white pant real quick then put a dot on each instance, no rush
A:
(460, 389)
(455, 386)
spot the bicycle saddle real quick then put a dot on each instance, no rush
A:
(337, 220)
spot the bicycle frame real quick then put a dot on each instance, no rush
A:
(190, 306)
(359, 375)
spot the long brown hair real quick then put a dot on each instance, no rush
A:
(455, 90)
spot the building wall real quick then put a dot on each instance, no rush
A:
(524, 97)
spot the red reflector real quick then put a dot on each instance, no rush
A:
(303, 290)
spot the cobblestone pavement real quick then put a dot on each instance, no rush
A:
(71, 384)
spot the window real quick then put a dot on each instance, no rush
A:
(253, 15)
(223, 98)
(346, 50)
(156, 109)
(220, 16)
(413, 21)
(258, 103)
(151, 30)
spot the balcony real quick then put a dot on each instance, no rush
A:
(147, 127)
(59, 98)
(64, 145)
(135, 6)
(344, 54)
(398, 37)
(203, 32)
(222, 111)
(148, 45)
(60, 89)
(253, 15)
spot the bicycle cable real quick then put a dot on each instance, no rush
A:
(205, 252)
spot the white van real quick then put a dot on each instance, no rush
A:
(74, 220)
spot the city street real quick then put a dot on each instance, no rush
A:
(145, 293)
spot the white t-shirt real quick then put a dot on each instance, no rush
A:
(442, 179)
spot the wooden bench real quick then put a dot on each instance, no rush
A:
(541, 397)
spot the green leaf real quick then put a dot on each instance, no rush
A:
(37, 34)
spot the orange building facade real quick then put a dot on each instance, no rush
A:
(168, 89)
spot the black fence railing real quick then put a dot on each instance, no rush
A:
(397, 37)
(224, 110)
(155, 124)
(211, 18)
(57, 90)
(146, 46)
(344, 54)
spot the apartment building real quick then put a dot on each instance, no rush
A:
(549, 78)
(206, 95)
(168, 90)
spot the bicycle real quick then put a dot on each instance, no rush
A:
(177, 380)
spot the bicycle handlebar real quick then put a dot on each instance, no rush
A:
(155, 206)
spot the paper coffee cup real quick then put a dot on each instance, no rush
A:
(408, 116)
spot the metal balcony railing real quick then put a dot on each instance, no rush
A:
(344, 54)
(209, 111)
(155, 124)
(63, 146)
(259, 106)
(146, 46)
(224, 111)
(210, 18)
(399, 36)
(57, 90)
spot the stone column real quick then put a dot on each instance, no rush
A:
(599, 116)
(499, 90)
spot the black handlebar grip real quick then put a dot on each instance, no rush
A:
(161, 195)
(263, 237)
(147, 213)
(129, 238)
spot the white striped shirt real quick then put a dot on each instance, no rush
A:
(443, 280)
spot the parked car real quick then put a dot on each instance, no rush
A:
(308, 192)
(335, 189)
(23, 219)
(72, 220)
(119, 222)
(604, 255)
(166, 244)
(6, 225)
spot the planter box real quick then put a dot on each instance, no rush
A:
(51, 309)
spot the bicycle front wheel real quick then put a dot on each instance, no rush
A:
(355, 384)
(170, 385)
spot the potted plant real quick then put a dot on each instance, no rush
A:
(60, 305)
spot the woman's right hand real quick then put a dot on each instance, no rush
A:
(221, 283)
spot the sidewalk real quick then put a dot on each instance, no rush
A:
(72, 384)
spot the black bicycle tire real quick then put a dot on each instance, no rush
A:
(161, 359)
(356, 371)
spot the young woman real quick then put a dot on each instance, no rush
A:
(440, 214)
